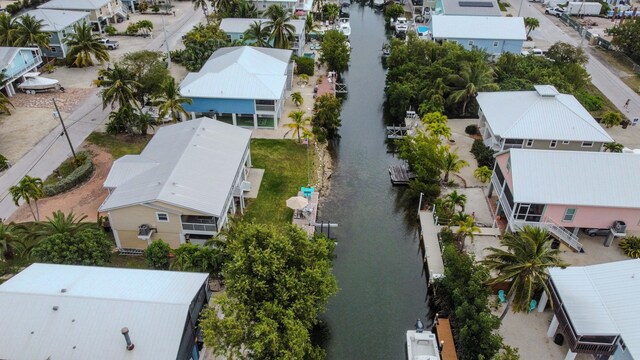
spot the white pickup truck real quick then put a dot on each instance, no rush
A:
(111, 45)
(554, 10)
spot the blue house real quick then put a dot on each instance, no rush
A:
(235, 28)
(58, 23)
(494, 34)
(245, 86)
(14, 63)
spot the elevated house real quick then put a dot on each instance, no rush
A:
(565, 191)
(101, 12)
(181, 187)
(235, 28)
(467, 7)
(540, 119)
(89, 312)
(244, 86)
(15, 62)
(494, 34)
(58, 23)
(596, 309)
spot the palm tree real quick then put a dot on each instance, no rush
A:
(29, 32)
(525, 264)
(145, 25)
(298, 124)
(531, 24)
(222, 7)
(452, 163)
(59, 223)
(483, 173)
(119, 87)
(30, 190)
(466, 228)
(297, 98)
(332, 10)
(5, 103)
(246, 10)
(143, 121)
(8, 27)
(309, 26)
(439, 129)
(614, 147)
(170, 101)
(257, 34)
(203, 5)
(453, 199)
(8, 237)
(282, 31)
(84, 45)
(473, 77)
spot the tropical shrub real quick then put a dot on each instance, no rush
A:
(483, 154)
(612, 118)
(589, 101)
(110, 30)
(78, 176)
(132, 29)
(304, 65)
(156, 255)
(631, 246)
(4, 163)
(472, 129)
(88, 247)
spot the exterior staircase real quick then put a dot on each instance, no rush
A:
(556, 230)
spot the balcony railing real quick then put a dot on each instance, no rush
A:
(199, 227)
(265, 107)
(555, 229)
(199, 223)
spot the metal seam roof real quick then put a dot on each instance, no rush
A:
(478, 27)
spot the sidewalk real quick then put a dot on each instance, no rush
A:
(53, 149)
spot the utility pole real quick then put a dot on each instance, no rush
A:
(520, 9)
(64, 128)
(166, 43)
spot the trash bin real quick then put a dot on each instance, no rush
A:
(558, 339)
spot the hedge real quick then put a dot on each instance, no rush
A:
(78, 176)
(483, 154)
(304, 65)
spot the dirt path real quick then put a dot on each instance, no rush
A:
(85, 199)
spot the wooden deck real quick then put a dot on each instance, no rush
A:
(400, 174)
(445, 337)
(431, 245)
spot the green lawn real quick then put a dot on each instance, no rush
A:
(119, 145)
(285, 164)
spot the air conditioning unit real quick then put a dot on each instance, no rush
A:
(619, 227)
(145, 231)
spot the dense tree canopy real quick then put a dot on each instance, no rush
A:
(88, 247)
(278, 280)
(626, 36)
(326, 118)
(200, 42)
(148, 69)
(335, 51)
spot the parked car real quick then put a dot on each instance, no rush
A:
(534, 52)
(111, 45)
(597, 232)
(554, 10)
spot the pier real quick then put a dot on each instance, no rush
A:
(306, 218)
(400, 174)
(431, 245)
(411, 122)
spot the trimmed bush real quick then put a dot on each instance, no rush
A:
(78, 176)
(483, 154)
(472, 129)
(631, 246)
(156, 255)
(110, 30)
(304, 65)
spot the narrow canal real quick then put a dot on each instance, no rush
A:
(378, 264)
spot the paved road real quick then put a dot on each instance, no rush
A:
(51, 151)
(601, 76)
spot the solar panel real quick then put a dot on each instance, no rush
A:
(483, 4)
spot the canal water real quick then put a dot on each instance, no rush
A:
(379, 264)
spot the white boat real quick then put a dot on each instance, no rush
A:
(422, 345)
(378, 3)
(34, 83)
(401, 24)
(344, 26)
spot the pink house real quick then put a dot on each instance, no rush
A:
(565, 191)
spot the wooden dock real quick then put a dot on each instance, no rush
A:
(400, 174)
(397, 132)
(431, 245)
(445, 338)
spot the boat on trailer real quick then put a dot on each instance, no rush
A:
(422, 344)
(34, 83)
(344, 26)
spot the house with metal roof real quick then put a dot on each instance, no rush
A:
(244, 86)
(539, 119)
(58, 23)
(467, 7)
(182, 186)
(101, 12)
(494, 34)
(596, 309)
(236, 27)
(15, 62)
(88, 312)
(565, 191)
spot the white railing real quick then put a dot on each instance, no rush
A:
(556, 230)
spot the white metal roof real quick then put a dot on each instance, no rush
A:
(542, 114)
(575, 178)
(57, 20)
(74, 4)
(478, 27)
(191, 165)
(603, 299)
(471, 7)
(97, 303)
(240, 25)
(243, 72)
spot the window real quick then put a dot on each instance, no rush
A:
(587, 143)
(495, 44)
(470, 42)
(53, 49)
(529, 142)
(569, 214)
(241, 37)
(565, 142)
(162, 217)
(553, 143)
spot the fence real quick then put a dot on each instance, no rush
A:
(586, 33)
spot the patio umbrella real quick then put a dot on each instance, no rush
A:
(297, 202)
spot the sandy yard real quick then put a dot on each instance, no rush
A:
(84, 199)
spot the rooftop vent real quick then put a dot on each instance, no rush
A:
(482, 4)
(125, 333)
(546, 90)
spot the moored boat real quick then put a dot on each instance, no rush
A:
(421, 344)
